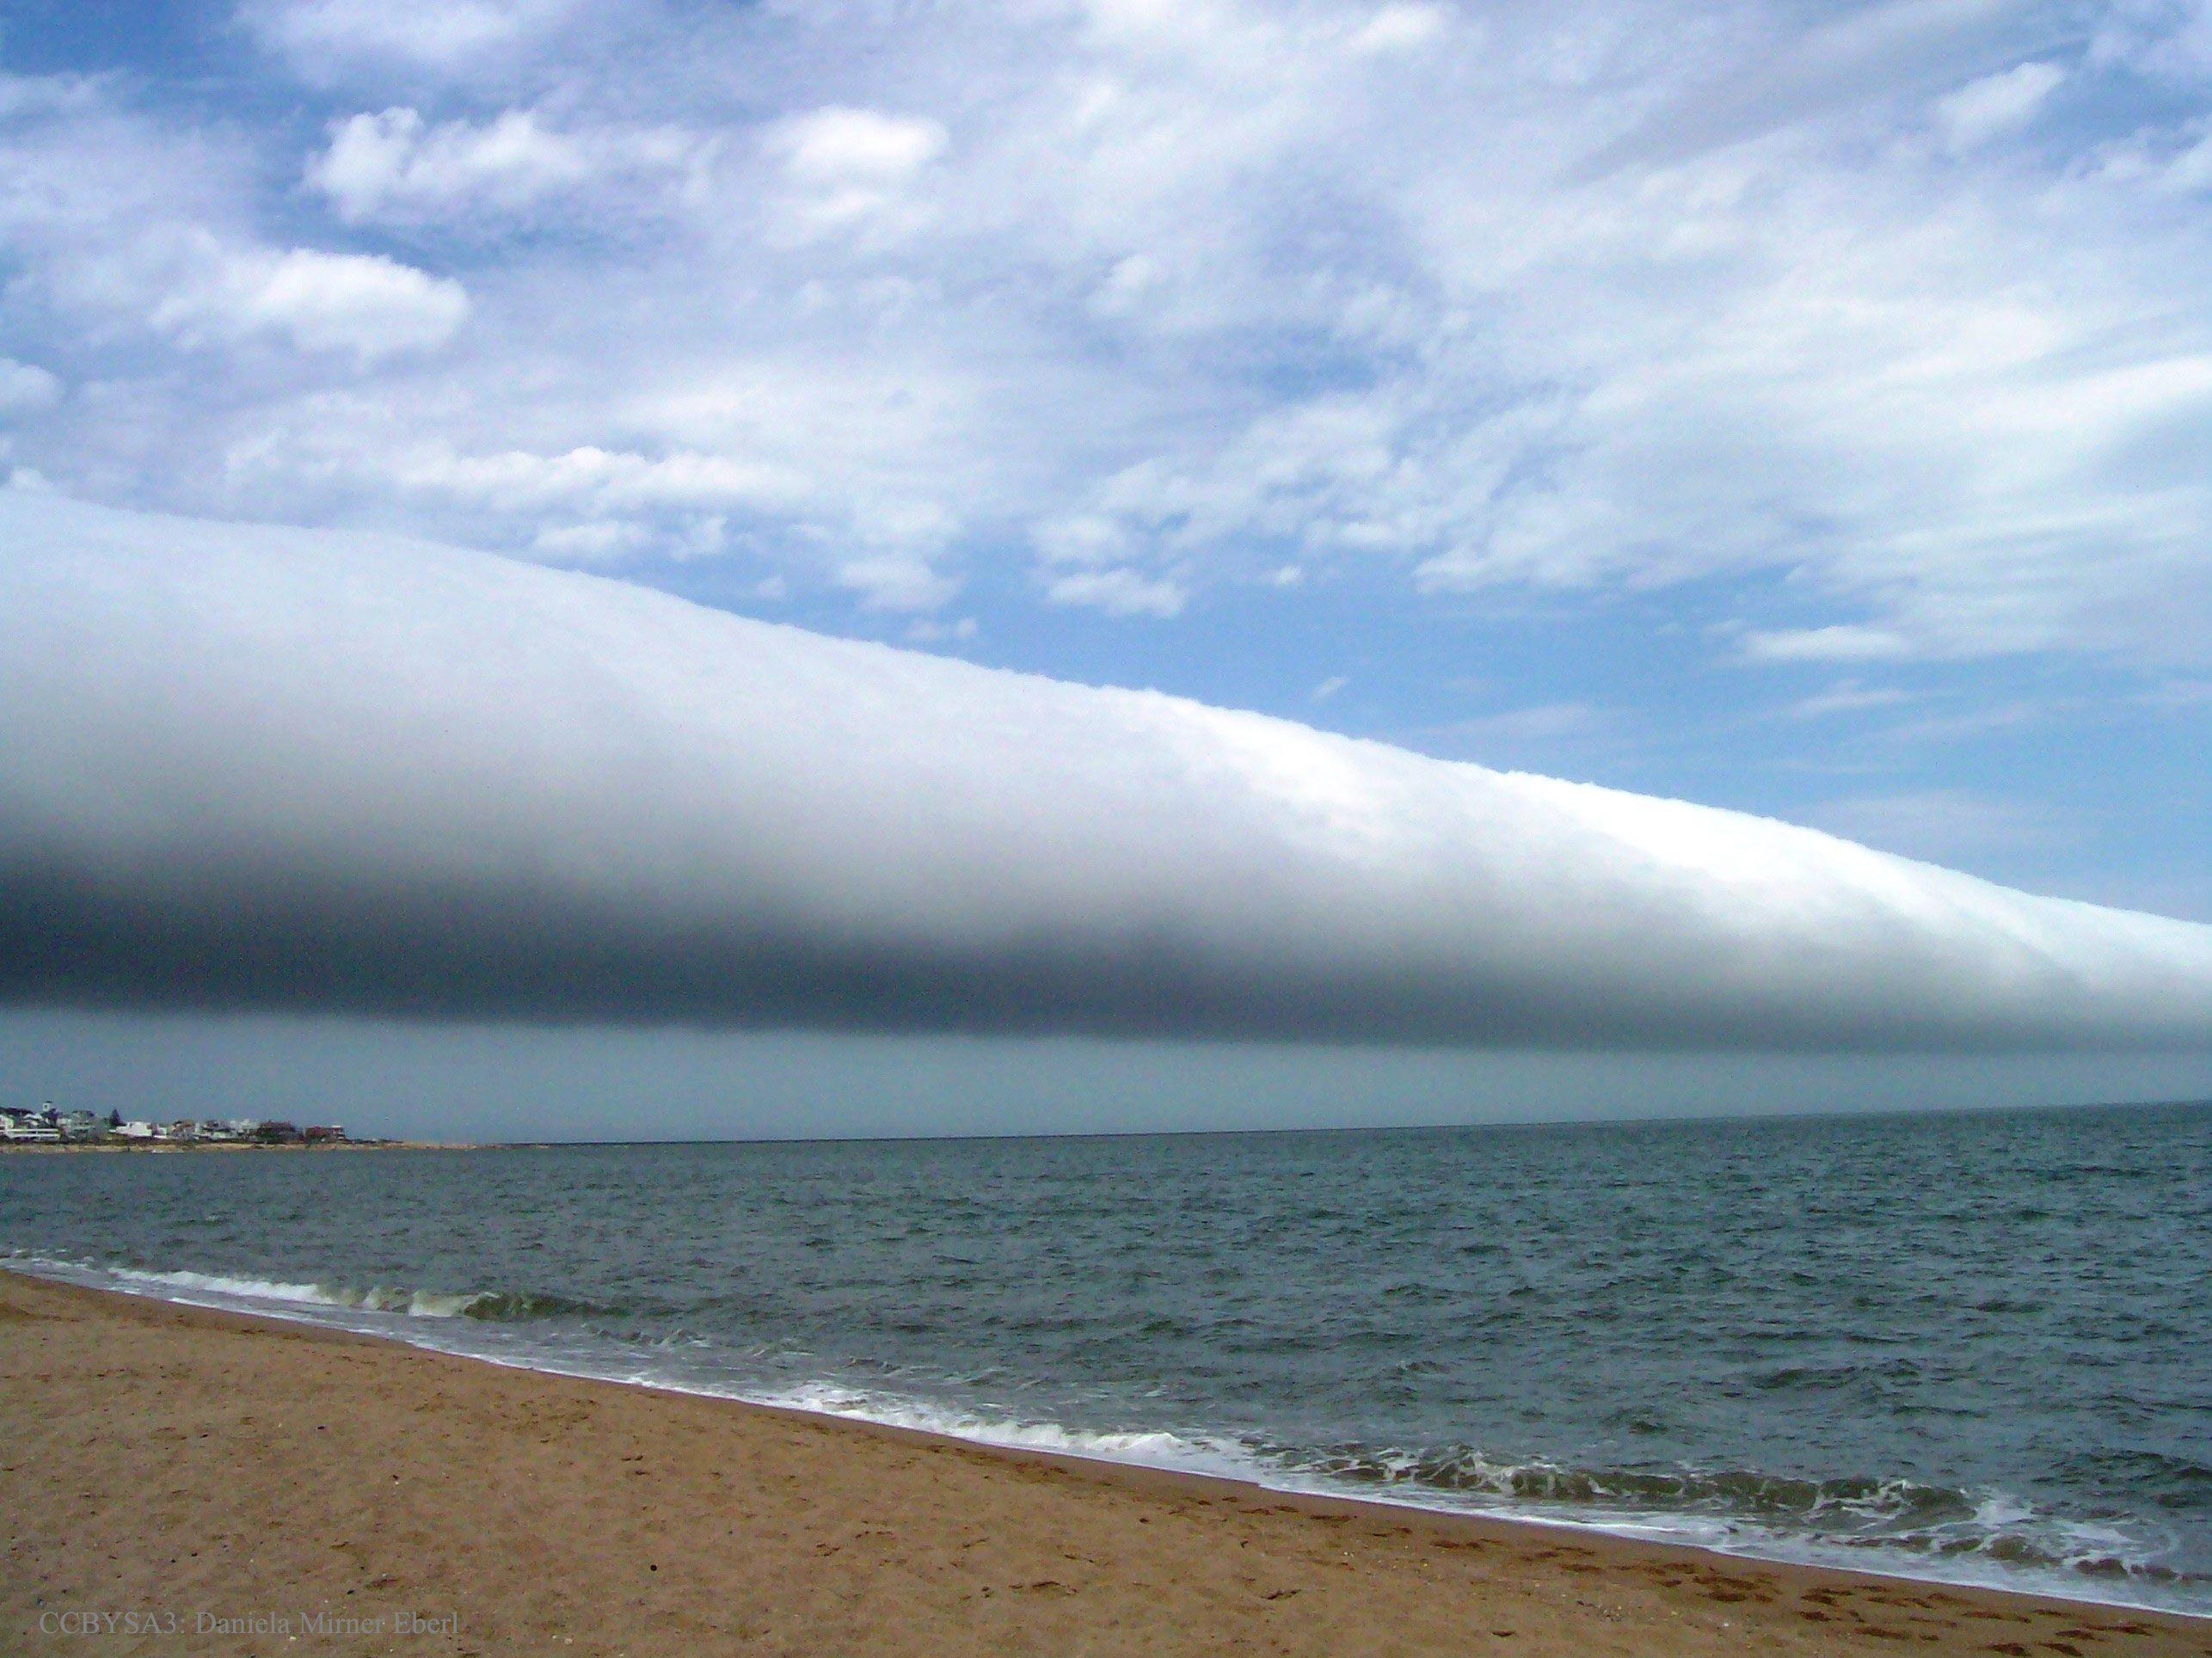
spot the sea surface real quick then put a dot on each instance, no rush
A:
(1972, 1347)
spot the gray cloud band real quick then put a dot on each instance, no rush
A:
(255, 767)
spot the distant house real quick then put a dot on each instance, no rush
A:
(211, 1130)
(184, 1129)
(136, 1131)
(245, 1127)
(277, 1133)
(80, 1125)
(324, 1134)
(18, 1125)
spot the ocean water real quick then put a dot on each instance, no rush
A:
(1971, 1348)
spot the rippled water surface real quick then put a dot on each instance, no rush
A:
(1973, 1347)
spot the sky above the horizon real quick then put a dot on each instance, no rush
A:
(1796, 408)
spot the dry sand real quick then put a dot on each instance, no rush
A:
(188, 1466)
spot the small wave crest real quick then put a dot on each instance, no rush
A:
(1792, 1516)
(499, 1306)
(1765, 1496)
(1149, 1448)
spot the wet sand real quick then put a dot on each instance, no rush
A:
(231, 1481)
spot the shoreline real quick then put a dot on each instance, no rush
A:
(413, 1327)
(1151, 1559)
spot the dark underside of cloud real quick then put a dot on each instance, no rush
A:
(262, 768)
(65, 939)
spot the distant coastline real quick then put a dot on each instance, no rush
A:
(162, 1147)
(51, 1128)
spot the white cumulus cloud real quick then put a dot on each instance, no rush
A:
(377, 162)
(838, 146)
(1996, 104)
(25, 387)
(1119, 591)
(364, 304)
(326, 37)
(847, 166)
(394, 166)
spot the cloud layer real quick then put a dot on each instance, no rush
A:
(1121, 304)
(252, 767)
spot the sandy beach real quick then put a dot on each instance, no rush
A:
(232, 1485)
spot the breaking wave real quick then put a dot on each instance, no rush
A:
(219, 1289)
(1800, 1519)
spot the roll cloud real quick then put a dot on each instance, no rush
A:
(251, 766)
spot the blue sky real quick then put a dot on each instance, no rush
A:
(1796, 408)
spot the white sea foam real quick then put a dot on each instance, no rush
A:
(260, 1289)
(1146, 1448)
(412, 1303)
